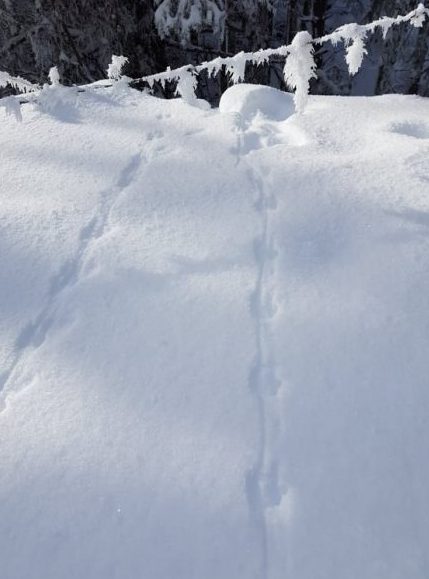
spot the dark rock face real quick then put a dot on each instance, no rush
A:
(79, 36)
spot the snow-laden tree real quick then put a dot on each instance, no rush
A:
(231, 24)
(187, 21)
(77, 35)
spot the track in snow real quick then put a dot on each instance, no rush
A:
(264, 486)
(172, 430)
(34, 333)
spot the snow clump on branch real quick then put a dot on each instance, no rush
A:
(114, 70)
(300, 68)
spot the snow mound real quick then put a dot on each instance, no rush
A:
(248, 100)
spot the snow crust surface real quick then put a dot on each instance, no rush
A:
(214, 338)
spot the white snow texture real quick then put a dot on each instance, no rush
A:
(214, 330)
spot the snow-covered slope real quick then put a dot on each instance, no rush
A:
(214, 338)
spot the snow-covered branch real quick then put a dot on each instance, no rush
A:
(300, 66)
(299, 69)
(354, 35)
(114, 70)
(18, 83)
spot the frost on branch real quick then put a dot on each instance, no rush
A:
(114, 70)
(214, 66)
(419, 16)
(353, 36)
(354, 55)
(54, 76)
(237, 67)
(187, 84)
(17, 83)
(355, 48)
(300, 68)
(385, 24)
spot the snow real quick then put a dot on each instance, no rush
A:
(181, 18)
(114, 70)
(251, 101)
(214, 337)
(300, 68)
(54, 76)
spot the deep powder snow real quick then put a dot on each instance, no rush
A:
(214, 331)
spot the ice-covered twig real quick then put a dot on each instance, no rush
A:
(18, 83)
(12, 106)
(54, 76)
(300, 66)
(416, 17)
(114, 70)
(187, 84)
(354, 35)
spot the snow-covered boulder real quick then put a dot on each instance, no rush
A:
(249, 99)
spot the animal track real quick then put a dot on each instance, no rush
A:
(34, 333)
(271, 491)
(263, 485)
